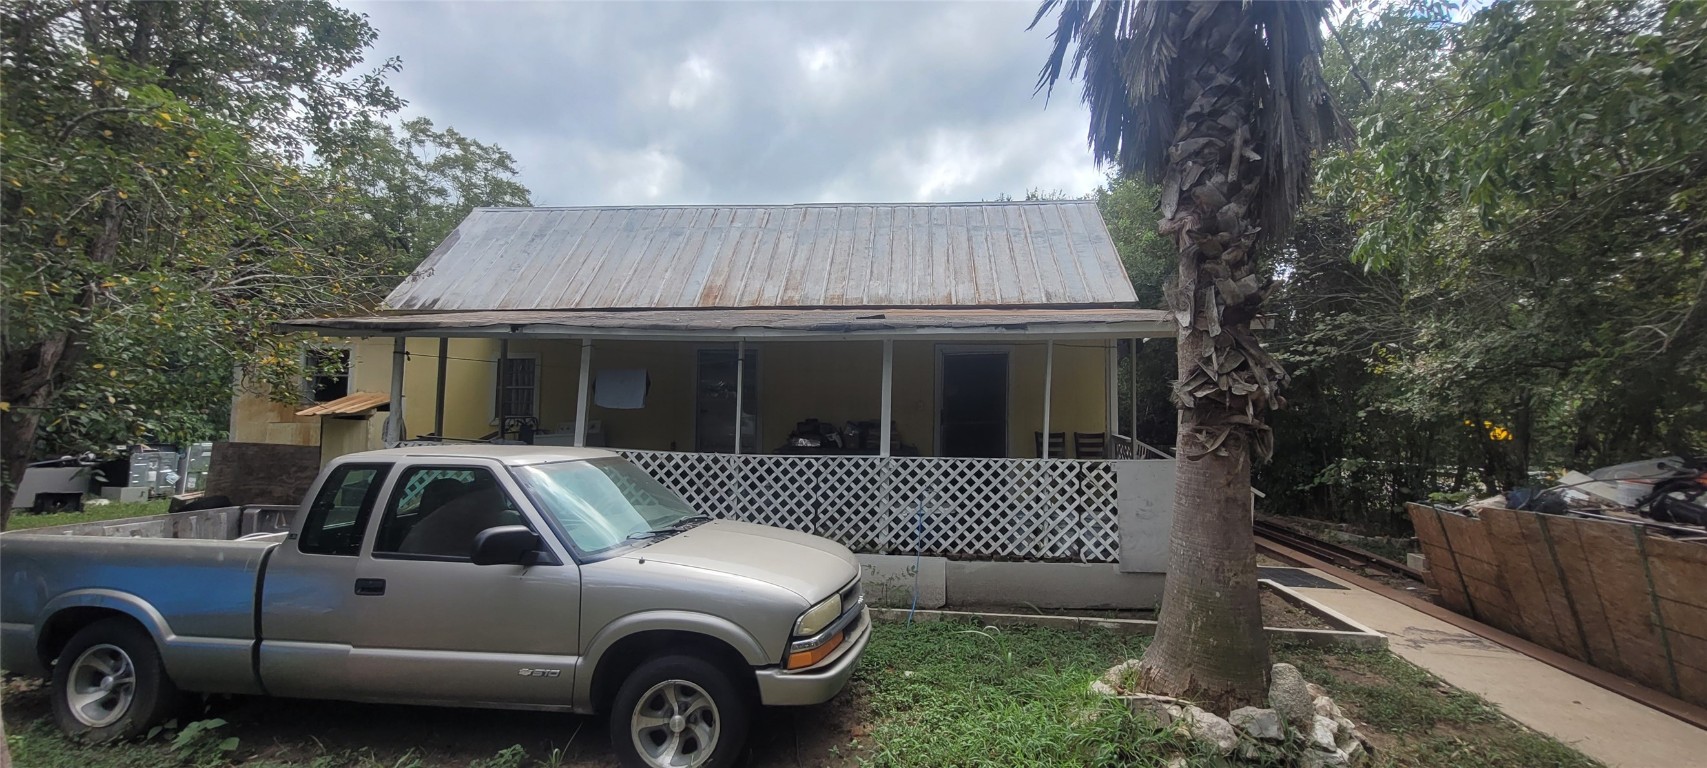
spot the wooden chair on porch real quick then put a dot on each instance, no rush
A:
(1090, 445)
(1057, 444)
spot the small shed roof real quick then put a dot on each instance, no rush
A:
(1011, 254)
(348, 405)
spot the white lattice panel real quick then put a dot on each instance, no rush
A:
(1010, 509)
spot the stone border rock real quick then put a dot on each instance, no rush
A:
(1300, 720)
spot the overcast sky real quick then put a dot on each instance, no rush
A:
(677, 103)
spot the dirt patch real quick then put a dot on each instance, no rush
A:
(1277, 612)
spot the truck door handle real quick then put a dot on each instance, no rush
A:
(370, 587)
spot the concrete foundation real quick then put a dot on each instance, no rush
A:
(1051, 585)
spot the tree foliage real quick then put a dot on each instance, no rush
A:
(1528, 192)
(178, 177)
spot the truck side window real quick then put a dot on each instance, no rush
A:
(340, 511)
(437, 511)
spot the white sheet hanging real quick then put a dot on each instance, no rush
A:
(622, 388)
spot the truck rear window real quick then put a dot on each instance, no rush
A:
(340, 511)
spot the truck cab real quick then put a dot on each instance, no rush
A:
(496, 576)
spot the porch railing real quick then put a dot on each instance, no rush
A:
(991, 509)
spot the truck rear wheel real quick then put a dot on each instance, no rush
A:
(109, 684)
(679, 711)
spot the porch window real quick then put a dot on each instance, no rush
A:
(518, 386)
(329, 374)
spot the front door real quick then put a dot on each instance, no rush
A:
(973, 417)
(430, 625)
(714, 402)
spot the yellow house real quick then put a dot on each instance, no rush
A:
(887, 362)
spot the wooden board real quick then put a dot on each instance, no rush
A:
(1552, 582)
(1480, 572)
(1620, 577)
(1534, 618)
(1679, 572)
(1580, 587)
(1442, 568)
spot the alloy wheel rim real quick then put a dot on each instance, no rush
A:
(675, 724)
(101, 686)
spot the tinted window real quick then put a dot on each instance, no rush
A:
(340, 511)
(437, 512)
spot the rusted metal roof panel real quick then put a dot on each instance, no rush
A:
(914, 255)
(749, 322)
(359, 402)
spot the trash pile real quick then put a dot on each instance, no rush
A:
(1668, 490)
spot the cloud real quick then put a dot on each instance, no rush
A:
(609, 104)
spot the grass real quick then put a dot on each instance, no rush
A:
(23, 521)
(932, 694)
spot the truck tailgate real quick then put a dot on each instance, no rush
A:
(197, 597)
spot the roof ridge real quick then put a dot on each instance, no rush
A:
(934, 204)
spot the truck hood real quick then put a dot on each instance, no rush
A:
(809, 566)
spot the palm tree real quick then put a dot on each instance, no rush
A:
(1223, 104)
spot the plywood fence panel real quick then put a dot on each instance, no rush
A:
(1679, 574)
(1476, 564)
(1622, 580)
(1521, 577)
(1578, 567)
(1552, 581)
(1442, 568)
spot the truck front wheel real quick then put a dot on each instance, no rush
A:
(679, 711)
(109, 684)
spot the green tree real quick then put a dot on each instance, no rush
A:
(169, 194)
(1224, 105)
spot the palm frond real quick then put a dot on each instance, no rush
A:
(1148, 65)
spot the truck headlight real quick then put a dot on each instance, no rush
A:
(819, 616)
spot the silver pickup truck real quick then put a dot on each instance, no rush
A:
(488, 576)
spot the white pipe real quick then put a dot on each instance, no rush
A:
(888, 396)
(581, 393)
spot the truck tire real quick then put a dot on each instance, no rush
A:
(109, 684)
(679, 711)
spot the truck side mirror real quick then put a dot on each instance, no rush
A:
(505, 545)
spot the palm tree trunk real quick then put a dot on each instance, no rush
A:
(1209, 644)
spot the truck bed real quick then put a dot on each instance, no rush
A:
(185, 576)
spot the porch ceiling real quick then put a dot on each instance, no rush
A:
(757, 323)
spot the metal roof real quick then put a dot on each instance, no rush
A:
(667, 257)
(1109, 322)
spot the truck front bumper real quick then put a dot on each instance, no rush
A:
(818, 684)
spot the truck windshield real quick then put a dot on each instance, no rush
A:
(603, 503)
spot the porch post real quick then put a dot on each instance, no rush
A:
(439, 393)
(1048, 381)
(498, 395)
(1112, 411)
(888, 399)
(581, 394)
(740, 387)
(394, 427)
(1133, 406)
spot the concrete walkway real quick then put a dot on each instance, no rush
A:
(1595, 721)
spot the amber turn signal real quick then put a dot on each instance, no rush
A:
(804, 659)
